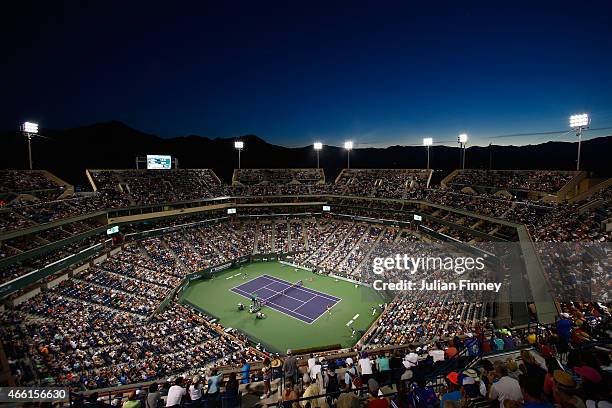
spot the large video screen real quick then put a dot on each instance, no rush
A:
(158, 162)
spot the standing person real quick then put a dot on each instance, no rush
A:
(349, 374)
(312, 360)
(176, 393)
(290, 369)
(245, 372)
(231, 391)
(505, 388)
(154, 396)
(384, 370)
(365, 367)
(453, 392)
(266, 372)
(195, 390)
(214, 387)
(396, 366)
(332, 387)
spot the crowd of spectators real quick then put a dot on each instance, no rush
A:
(547, 181)
(143, 187)
(249, 177)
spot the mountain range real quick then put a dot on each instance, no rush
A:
(114, 145)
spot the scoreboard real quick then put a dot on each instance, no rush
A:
(158, 162)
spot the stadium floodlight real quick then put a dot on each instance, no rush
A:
(29, 130)
(318, 146)
(30, 127)
(239, 145)
(462, 140)
(348, 145)
(427, 141)
(579, 122)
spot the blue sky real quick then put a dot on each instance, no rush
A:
(379, 73)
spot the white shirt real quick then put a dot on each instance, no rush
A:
(506, 388)
(438, 355)
(175, 393)
(311, 363)
(366, 365)
(195, 392)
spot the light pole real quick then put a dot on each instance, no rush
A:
(462, 140)
(579, 122)
(318, 146)
(428, 141)
(348, 145)
(239, 145)
(29, 130)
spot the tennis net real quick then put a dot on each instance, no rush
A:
(281, 293)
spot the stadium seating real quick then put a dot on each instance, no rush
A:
(99, 327)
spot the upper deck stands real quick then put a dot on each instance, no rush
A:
(539, 181)
(278, 176)
(158, 186)
(388, 183)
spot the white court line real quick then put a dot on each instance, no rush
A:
(311, 291)
(282, 307)
(356, 316)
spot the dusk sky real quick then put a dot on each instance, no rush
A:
(379, 73)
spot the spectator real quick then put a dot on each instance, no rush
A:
(565, 389)
(531, 389)
(505, 387)
(231, 391)
(471, 396)
(374, 398)
(213, 391)
(245, 372)
(289, 396)
(131, 402)
(175, 394)
(266, 372)
(290, 369)
(195, 390)
(153, 397)
(453, 392)
(382, 365)
(349, 375)
(311, 390)
(365, 367)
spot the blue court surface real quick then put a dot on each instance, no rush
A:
(298, 302)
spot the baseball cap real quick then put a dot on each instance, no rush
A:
(588, 373)
(453, 377)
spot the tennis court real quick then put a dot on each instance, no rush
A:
(294, 300)
(280, 330)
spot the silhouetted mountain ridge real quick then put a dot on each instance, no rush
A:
(114, 144)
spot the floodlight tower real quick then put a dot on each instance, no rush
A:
(462, 140)
(239, 145)
(29, 130)
(318, 146)
(348, 145)
(428, 141)
(579, 122)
